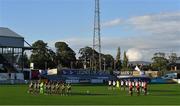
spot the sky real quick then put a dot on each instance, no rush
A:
(140, 27)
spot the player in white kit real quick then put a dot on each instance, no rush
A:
(109, 84)
(114, 84)
(122, 85)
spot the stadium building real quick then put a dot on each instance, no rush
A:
(11, 52)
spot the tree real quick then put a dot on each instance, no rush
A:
(109, 62)
(125, 62)
(159, 61)
(65, 55)
(24, 59)
(86, 55)
(42, 56)
(173, 58)
(52, 59)
(118, 60)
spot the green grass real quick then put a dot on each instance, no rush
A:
(159, 94)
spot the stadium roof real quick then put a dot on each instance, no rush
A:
(6, 32)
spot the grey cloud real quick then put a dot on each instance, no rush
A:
(112, 23)
(161, 32)
(164, 24)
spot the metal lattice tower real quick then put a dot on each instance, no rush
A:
(97, 36)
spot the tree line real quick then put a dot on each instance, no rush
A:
(44, 57)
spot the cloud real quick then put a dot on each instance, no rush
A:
(159, 30)
(112, 23)
(160, 34)
(163, 24)
(134, 54)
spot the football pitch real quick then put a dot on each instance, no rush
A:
(158, 94)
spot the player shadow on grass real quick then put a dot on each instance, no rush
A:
(165, 92)
(87, 94)
(175, 95)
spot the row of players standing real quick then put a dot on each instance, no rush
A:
(137, 86)
(49, 87)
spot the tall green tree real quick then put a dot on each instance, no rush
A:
(118, 59)
(52, 63)
(109, 62)
(41, 56)
(65, 55)
(23, 61)
(125, 62)
(86, 55)
(173, 58)
(159, 61)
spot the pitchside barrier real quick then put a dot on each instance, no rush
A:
(13, 82)
(151, 74)
(168, 72)
(82, 81)
(11, 78)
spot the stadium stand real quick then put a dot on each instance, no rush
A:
(6, 66)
